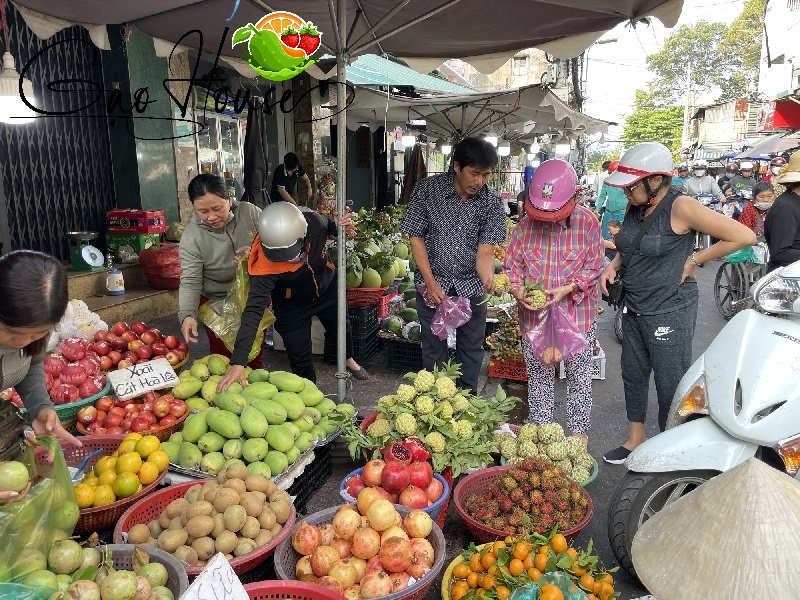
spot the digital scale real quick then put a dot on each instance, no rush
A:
(84, 256)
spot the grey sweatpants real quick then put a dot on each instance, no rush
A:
(661, 344)
(469, 342)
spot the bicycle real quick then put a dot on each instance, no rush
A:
(736, 275)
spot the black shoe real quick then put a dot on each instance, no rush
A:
(617, 456)
(361, 374)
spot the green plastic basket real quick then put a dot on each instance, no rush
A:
(69, 412)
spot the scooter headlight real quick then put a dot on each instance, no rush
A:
(691, 402)
(775, 293)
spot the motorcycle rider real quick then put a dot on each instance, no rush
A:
(682, 178)
(702, 183)
(744, 180)
(730, 172)
(775, 167)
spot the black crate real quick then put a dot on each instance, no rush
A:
(313, 478)
(402, 355)
(363, 320)
(364, 348)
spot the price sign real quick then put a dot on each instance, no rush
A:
(216, 581)
(137, 379)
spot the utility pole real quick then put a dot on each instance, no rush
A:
(686, 107)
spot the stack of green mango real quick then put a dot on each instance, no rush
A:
(267, 425)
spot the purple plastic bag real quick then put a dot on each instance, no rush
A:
(451, 314)
(556, 337)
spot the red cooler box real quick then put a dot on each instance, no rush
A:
(133, 220)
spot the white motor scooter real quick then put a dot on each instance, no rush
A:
(740, 399)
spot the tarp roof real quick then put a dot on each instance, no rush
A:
(422, 33)
(372, 70)
(520, 113)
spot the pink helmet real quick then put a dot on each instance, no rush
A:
(551, 193)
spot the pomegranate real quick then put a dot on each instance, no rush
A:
(53, 363)
(393, 531)
(420, 474)
(418, 449)
(345, 523)
(354, 485)
(434, 490)
(365, 498)
(395, 477)
(303, 567)
(326, 534)
(400, 581)
(322, 558)
(361, 566)
(421, 547)
(375, 585)
(330, 583)
(366, 543)
(418, 523)
(353, 592)
(396, 451)
(374, 565)
(419, 565)
(414, 497)
(372, 472)
(343, 546)
(381, 514)
(344, 572)
(73, 349)
(308, 578)
(305, 539)
(386, 495)
(395, 555)
(73, 373)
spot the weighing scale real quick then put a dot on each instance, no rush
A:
(84, 256)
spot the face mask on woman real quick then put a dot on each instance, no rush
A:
(762, 205)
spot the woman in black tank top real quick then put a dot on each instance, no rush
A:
(659, 280)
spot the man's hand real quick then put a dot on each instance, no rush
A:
(609, 275)
(46, 423)
(555, 295)
(435, 292)
(489, 285)
(235, 373)
(189, 330)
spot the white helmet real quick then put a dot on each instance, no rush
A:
(643, 160)
(700, 167)
(746, 166)
(282, 229)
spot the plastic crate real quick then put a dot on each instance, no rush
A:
(363, 320)
(364, 296)
(313, 478)
(402, 355)
(298, 590)
(364, 349)
(383, 305)
(504, 369)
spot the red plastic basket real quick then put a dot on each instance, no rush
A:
(504, 369)
(150, 508)
(447, 473)
(383, 304)
(103, 517)
(364, 296)
(477, 482)
(279, 589)
(162, 433)
(286, 556)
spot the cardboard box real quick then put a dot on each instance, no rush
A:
(137, 241)
(132, 220)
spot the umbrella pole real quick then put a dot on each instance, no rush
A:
(341, 196)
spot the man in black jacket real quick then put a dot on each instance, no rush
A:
(782, 225)
(289, 264)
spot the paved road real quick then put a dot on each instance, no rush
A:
(609, 428)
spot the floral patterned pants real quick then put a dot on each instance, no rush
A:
(541, 386)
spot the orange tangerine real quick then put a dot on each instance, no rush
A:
(104, 495)
(540, 562)
(521, 550)
(107, 478)
(126, 446)
(558, 543)
(475, 563)
(528, 561)
(160, 459)
(147, 445)
(487, 582)
(605, 591)
(473, 579)
(126, 484)
(572, 552)
(534, 573)
(550, 592)
(106, 463)
(492, 571)
(544, 549)
(148, 473)
(577, 569)
(461, 571)
(502, 592)
(130, 462)
(587, 581)
(487, 560)
(133, 435)
(515, 567)
(459, 590)
(84, 494)
(497, 546)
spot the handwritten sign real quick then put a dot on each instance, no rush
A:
(138, 379)
(216, 581)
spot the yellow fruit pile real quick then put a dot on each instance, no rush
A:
(137, 462)
(497, 569)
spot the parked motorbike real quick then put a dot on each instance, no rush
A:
(703, 240)
(740, 399)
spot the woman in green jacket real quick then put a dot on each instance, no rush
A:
(220, 231)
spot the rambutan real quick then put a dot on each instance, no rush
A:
(547, 508)
(537, 498)
(506, 505)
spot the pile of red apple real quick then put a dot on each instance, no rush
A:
(142, 415)
(73, 372)
(124, 345)
(405, 477)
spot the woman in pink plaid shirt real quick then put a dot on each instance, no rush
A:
(558, 245)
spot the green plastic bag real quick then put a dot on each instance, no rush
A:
(744, 255)
(531, 591)
(48, 511)
(224, 317)
(18, 591)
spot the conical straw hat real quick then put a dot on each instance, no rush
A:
(736, 536)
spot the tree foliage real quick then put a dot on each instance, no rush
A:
(598, 155)
(742, 45)
(650, 122)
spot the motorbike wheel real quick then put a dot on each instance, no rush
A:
(639, 497)
(731, 288)
(618, 324)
